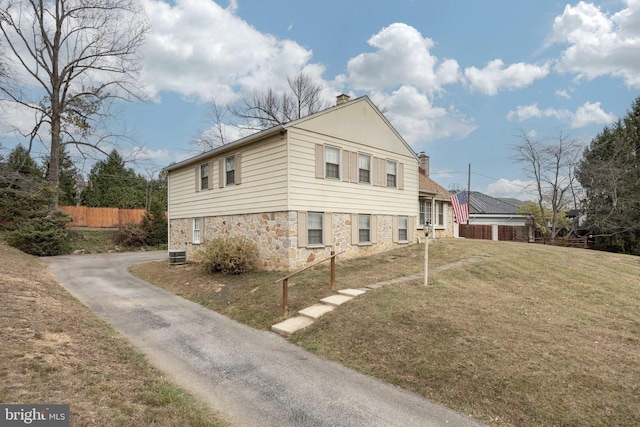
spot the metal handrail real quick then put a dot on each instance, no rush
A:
(285, 279)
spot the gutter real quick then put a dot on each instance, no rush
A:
(227, 147)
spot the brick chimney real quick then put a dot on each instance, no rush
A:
(342, 98)
(424, 162)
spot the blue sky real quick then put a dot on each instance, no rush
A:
(460, 80)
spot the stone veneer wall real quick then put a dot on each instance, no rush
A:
(275, 234)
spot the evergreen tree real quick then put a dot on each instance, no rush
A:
(112, 185)
(20, 160)
(24, 208)
(154, 223)
(159, 190)
(610, 175)
(23, 192)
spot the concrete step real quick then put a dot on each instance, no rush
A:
(316, 311)
(351, 292)
(291, 325)
(336, 300)
(310, 314)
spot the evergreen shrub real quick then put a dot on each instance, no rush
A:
(44, 235)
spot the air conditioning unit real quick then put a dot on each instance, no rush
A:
(177, 256)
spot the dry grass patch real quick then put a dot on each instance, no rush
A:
(54, 350)
(530, 335)
(256, 300)
(533, 335)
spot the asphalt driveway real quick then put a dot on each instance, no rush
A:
(253, 378)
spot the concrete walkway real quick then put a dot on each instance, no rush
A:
(307, 316)
(253, 378)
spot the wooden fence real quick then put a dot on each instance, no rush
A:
(574, 242)
(505, 232)
(102, 217)
(518, 234)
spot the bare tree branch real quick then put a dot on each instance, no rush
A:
(259, 110)
(78, 53)
(552, 168)
(216, 136)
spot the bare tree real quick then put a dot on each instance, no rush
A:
(260, 110)
(78, 55)
(552, 167)
(216, 135)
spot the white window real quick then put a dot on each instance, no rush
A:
(364, 169)
(440, 211)
(196, 231)
(230, 170)
(364, 228)
(403, 225)
(204, 176)
(332, 162)
(315, 230)
(425, 212)
(392, 174)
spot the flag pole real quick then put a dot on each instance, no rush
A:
(469, 196)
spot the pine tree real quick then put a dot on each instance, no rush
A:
(111, 184)
(610, 175)
(20, 160)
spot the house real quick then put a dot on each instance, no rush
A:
(434, 203)
(494, 219)
(342, 179)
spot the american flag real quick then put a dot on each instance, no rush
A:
(460, 207)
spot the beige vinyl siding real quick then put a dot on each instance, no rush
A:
(263, 189)
(309, 193)
(358, 122)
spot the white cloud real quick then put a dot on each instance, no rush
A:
(586, 114)
(600, 44)
(146, 153)
(591, 113)
(563, 94)
(17, 119)
(201, 50)
(402, 57)
(233, 6)
(413, 115)
(495, 77)
(526, 112)
(402, 78)
(518, 189)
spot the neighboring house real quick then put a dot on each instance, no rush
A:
(497, 216)
(515, 202)
(342, 179)
(434, 203)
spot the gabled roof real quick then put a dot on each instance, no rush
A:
(430, 187)
(482, 204)
(282, 129)
(227, 147)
